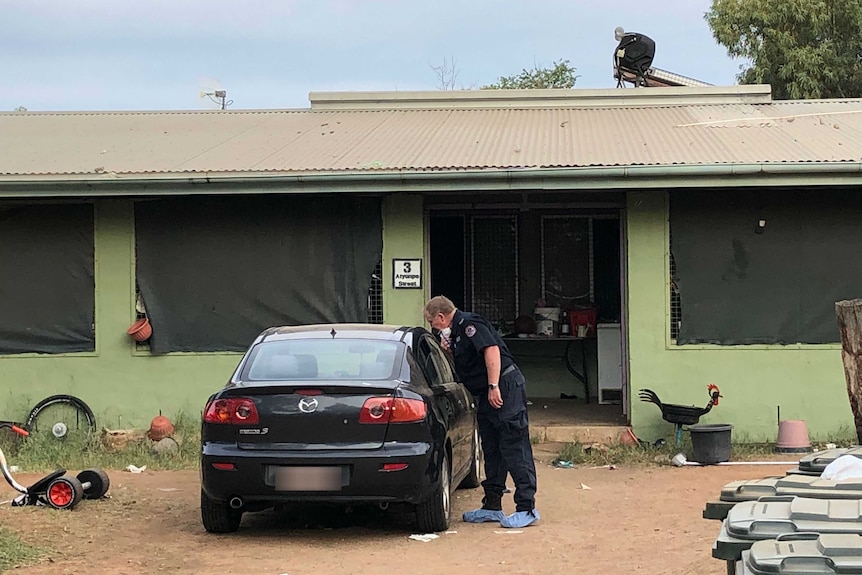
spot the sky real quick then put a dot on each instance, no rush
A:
(59, 55)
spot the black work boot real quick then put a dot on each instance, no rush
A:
(492, 502)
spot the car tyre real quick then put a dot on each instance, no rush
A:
(433, 513)
(218, 517)
(474, 476)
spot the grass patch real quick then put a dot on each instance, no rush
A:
(46, 453)
(14, 552)
(646, 454)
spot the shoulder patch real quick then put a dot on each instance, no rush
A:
(470, 330)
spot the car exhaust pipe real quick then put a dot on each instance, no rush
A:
(236, 502)
(384, 505)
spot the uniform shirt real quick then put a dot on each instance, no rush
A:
(471, 334)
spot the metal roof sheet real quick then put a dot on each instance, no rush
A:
(153, 144)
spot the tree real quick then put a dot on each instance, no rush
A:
(560, 75)
(446, 73)
(802, 48)
(849, 314)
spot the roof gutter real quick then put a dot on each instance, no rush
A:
(489, 180)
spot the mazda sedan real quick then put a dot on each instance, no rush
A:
(342, 414)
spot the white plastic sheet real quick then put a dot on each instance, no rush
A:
(843, 467)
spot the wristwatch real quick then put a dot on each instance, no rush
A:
(493, 386)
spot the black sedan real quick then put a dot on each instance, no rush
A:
(341, 413)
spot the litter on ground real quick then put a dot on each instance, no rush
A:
(424, 537)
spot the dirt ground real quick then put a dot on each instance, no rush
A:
(638, 520)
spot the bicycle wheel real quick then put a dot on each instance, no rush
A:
(61, 418)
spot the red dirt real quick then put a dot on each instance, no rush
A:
(630, 520)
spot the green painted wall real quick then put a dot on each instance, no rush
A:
(127, 388)
(403, 238)
(806, 381)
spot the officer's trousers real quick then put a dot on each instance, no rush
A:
(505, 435)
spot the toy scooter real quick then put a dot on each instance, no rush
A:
(56, 489)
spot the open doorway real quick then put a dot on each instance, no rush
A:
(551, 281)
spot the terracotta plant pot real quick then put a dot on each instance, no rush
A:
(160, 428)
(792, 437)
(141, 330)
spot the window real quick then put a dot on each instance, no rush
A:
(444, 368)
(47, 278)
(739, 283)
(675, 308)
(375, 295)
(329, 359)
(499, 264)
(427, 362)
(494, 267)
(567, 261)
(214, 272)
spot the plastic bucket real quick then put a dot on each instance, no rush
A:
(547, 320)
(710, 442)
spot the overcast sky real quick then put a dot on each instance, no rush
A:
(160, 54)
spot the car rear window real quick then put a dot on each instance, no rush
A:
(307, 359)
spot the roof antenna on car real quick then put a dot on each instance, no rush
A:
(332, 333)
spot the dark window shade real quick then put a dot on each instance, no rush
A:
(215, 272)
(780, 286)
(47, 287)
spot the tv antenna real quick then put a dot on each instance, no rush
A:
(212, 89)
(219, 97)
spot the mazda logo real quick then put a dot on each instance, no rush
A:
(307, 404)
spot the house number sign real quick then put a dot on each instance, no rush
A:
(407, 274)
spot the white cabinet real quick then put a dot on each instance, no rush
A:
(610, 360)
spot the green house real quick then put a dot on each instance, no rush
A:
(660, 238)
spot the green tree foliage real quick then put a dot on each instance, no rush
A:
(803, 48)
(560, 75)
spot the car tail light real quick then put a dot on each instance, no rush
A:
(392, 410)
(393, 467)
(232, 411)
(224, 466)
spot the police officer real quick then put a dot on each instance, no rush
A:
(487, 369)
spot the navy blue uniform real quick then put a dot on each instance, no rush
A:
(504, 432)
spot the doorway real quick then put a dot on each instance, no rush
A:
(505, 263)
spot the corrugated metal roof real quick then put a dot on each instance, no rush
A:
(153, 144)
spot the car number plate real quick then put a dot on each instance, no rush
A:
(308, 478)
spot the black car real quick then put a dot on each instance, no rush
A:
(340, 413)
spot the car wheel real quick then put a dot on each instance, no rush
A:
(474, 476)
(433, 513)
(218, 517)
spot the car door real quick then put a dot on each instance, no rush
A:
(461, 428)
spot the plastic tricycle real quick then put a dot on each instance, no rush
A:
(56, 489)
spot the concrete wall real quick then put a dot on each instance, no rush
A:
(127, 388)
(806, 381)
